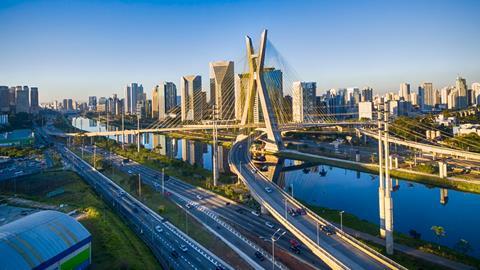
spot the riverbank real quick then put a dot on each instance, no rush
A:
(369, 233)
(424, 178)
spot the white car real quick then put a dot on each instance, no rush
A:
(199, 197)
(255, 213)
(268, 190)
(183, 248)
(130, 172)
(158, 229)
(269, 224)
(254, 170)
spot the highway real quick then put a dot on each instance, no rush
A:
(333, 249)
(164, 239)
(219, 213)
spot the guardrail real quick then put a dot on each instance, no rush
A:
(344, 236)
(324, 255)
(215, 260)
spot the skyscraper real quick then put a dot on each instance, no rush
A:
(461, 87)
(367, 94)
(92, 103)
(274, 82)
(34, 100)
(133, 93)
(12, 98)
(4, 99)
(303, 101)
(476, 93)
(192, 100)
(164, 99)
(222, 90)
(241, 87)
(404, 91)
(22, 103)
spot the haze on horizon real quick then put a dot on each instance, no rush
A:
(79, 48)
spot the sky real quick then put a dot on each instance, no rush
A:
(79, 48)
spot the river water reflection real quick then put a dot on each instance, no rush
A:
(193, 152)
(416, 206)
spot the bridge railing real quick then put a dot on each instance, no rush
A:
(345, 236)
(318, 250)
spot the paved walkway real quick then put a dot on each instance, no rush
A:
(402, 248)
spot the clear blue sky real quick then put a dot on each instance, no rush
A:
(80, 48)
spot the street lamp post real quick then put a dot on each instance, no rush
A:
(341, 220)
(163, 181)
(275, 238)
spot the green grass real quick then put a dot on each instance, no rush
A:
(353, 222)
(176, 215)
(192, 174)
(114, 245)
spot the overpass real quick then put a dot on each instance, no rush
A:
(425, 147)
(338, 251)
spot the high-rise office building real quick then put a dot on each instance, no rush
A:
(476, 93)
(461, 87)
(22, 103)
(404, 91)
(12, 98)
(452, 99)
(164, 99)
(222, 88)
(192, 100)
(34, 107)
(367, 94)
(133, 93)
(274, 82)
(92, 103)
(303, 101)
(4, 99)
(241, 87)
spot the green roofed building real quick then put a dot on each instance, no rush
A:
(45, 240)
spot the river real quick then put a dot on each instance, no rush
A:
(416, 206)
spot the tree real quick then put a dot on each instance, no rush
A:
(463, 246)
(439, 232)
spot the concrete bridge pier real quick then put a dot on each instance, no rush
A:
(442, 169)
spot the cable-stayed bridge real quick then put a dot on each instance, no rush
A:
(254, 105)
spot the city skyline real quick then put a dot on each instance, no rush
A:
(339, 53)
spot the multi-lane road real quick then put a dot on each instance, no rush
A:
(226, 217)
(334, 249)
(173, 248)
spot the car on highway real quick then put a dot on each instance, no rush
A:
(130, 172)
(328, 230)
(254, 170)
(269, 224)
(259, 255)
(121, 193)
(199, 197)
(268, 190)
(188, 205)
(255, 213)
(158, 228)
(183, 248)
(175, 254)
